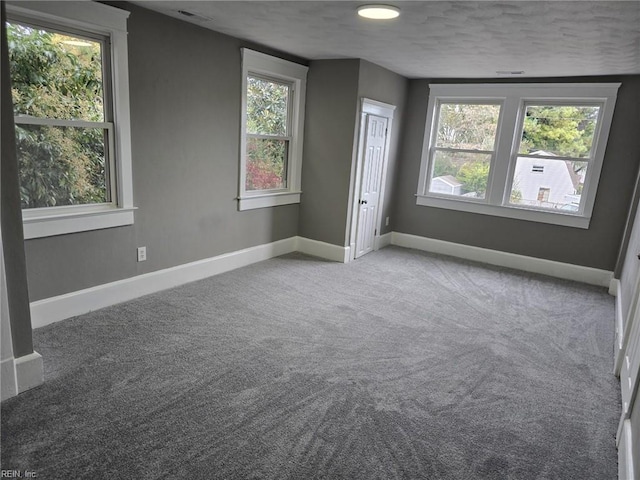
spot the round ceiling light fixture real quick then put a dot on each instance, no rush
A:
(378, 12)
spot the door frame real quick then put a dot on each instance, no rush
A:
(380, 109)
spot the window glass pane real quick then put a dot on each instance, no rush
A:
(559, 130)
(467, 126)
(61, 165)
(267, 107)
(461, 174)
(266, 164)
(545, 183)
(55, 75)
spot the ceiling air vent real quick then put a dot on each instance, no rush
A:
(194, 16)
(510, 73)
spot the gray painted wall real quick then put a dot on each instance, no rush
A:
(378, 83)
(596, 247)
(633, 208)
(335, 90)
(185, 86)
(330, 122)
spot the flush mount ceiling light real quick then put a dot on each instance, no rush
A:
(378, 12)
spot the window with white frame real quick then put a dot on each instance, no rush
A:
(68, 66)
(273, 96)
(526, 151)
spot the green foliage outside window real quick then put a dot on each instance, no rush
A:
(558, 130)
(467, 126)
(267, 116)
(56, 76)
(474, 177)
(561, 130)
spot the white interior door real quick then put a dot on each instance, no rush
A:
(628, 291)
(630, 368)
(370, 184)
(628, 356)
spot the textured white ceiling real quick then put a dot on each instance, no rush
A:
(435, 39)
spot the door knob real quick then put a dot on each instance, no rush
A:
(363, 202)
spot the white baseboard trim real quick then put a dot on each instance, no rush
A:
(54, 309)
(625, 452)
(614, 287)
(29, 371)
(323, 250)
(383, 240)
(8, 384)
(592, 276)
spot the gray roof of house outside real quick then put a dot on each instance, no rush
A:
(449, 179)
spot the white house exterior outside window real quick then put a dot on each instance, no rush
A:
(73, 138)
(273, 100)
(525, 151)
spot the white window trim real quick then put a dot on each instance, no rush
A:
(278, 69)
(110, 22)
(513, 98)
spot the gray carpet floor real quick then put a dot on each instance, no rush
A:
(400, 365)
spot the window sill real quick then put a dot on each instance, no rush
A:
(265, 200)
(37, 224)
(563, 219)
